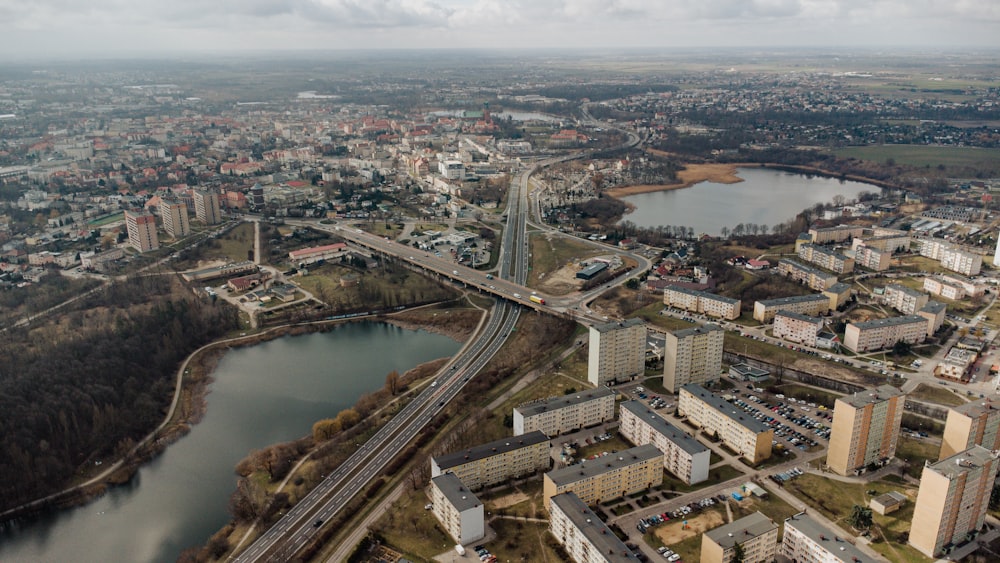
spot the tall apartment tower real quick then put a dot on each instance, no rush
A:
(617, 351)
(141, 227)
(952, 501)
(206, 207)
(175, 219)
(692, 355)
(972, 424)
(996, 255)
(865, 429)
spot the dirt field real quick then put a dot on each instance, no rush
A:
(673, 532)
(694, 173)
(560, 282)
(509, 500)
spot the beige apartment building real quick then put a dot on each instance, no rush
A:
(952, 501)
(826, 258)
(813, 278)
(496, 462)
(459, 511)
(872, 258)
(608, 477)
(584, 536)
(839, 233)
(692, 355)
(839, 294)
(701, 302)
(865, 430)
(890, 241)
(965, 263)
(807, 541)
(557, 415)
(683, 456)
(794, 327)
(617, 351)
(814, 305)
(141, 228)
(903, 299)
(934, 312)
(972, 424)
(743, 433)
(206, 207)
(175, 219)
(938, 286)
(756, 534)
(884, 333)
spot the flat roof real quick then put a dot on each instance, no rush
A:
(839, 287)
(593, 268)
(834, 544)
(457, 493)
(871, 396)
(800, 317)
(836, 228)
(907, 290)
(892, 498)
(698, 293)
(556, 403)
(615, 325)
(747, 369)
(726, 408)
(934, 307)
(497, 447)
(891, 321)
(591, 468)
(807, 268)
(975, 409)
(954, 466)
(593, 528)
(827, 251)
(693, 331)
(669, 431)
(778, 301)
(741, 530)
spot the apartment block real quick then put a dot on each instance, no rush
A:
(971, 287)
(692, 355)
(813, 278)
(756, 534)
(556, 415)
(872, 258)
(839, 294)
(931, 248)
(459, 511)
(683, 456)
(141, 228)
(897, 241)
(814, 305)
(795, 327)
(884, 333)
(965, 263)
(806, 540)
(972, 424)
(826, 258)
(934, 312)
(175, 219)
(616, 475)
(206, 207)
(743, 433)
(701, 302)
(617, 351)
(865, 430)
(839, 233)
(938, 286)
(952, 501)
(584, 536)
(496, 462)
(904, 299)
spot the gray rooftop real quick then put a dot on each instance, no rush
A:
(671, 432)
(615, 325)
(871, 396)
(934, 307)
(457, 494)
(835, 545)
(807, 268)
(556, 403)
(591, 468)
(891, 321)
(593, 528)
(892, 498)
(975, 409)
(779, 301)
(693, 331)
(704, 294)
(800, 317)
(839, 287)
(827, 251)
(726, 408)
(954, 466)
(907, 290)
(498, 447)
(741, 530)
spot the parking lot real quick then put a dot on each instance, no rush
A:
(796, 424)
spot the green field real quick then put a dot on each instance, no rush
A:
(924, 156)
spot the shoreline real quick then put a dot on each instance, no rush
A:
(690, 176)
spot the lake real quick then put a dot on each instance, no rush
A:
(765, 197)
(262, 395)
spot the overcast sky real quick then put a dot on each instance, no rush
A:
(79, 28)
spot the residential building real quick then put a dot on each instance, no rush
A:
(903, 299)
(206, 207)
(608, 477)
(996, 254)
(839, 294)
(692, 355)
(839, 233)
(617, 351)
(141, 228)
(756, 534)
(496, 462)
(965, 263)
(952, 501)
(584, 536)
(813, 278)
(556, 415)
(683, 456)
(701, 302)
(932, 248)
(825, 257)
(934, 312)
(459, 511)
(865, 430)
(814, 305)
(807, 541)
(884, 333)
(795, 327)
(872, 258)
(938, 286)
(890, 243)
(743, 433)
(175, 219)
(972, 424)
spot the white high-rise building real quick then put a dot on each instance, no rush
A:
(996, 254)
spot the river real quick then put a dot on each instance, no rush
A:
(264, 394)
(765, 197)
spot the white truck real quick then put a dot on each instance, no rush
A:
(460, 549)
